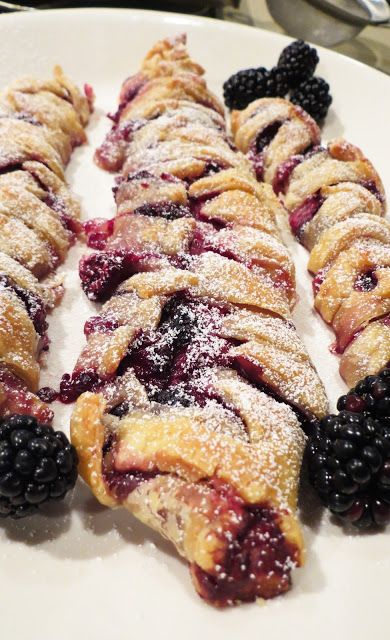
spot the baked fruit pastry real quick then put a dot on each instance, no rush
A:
(40, 123)
(193, 386)
(336, 203)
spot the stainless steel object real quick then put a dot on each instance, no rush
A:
(328, 22)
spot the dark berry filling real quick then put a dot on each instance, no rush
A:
(99, 324)
(111, 154)
(319, 279)
(55, 202)
(371, 186)
(131, 88)
(366, 281)
(72, 386)
(33, 303)
(257, 563)
(101, 273)
(305, 212)
(283, 173)
(47, 394)
(181, 345)
(255, 153)
(98, 231)
(167, 210)
(16, 398)
(122, 484)
(265, 137)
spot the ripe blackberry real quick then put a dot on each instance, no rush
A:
(37, 464)
(299, 61)
(314, 97)
(371, 397)
(245, 86)
(278, 83)
(349, 455)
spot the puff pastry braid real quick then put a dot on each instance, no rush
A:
(193, 364)
(40, 123)
(336, 203)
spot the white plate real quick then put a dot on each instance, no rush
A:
(87, 572)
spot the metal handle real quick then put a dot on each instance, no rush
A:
(378, 10)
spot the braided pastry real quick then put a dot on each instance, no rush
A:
(192, 367)
(40, 123)
(336, 203)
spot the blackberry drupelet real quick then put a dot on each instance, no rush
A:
(278, 84)
(314, 97)
(349, 454)
(299, 61)
(37, 464)
(371, 397)
(245, 86)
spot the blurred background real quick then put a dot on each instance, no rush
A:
(357, 28)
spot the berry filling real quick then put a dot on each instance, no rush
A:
(167, 210)
(101, 273)
(98, 231)
(371, 186)
(55, 202)
(16, 398)
(182, 344)
(283, 173)
(99, 324)
(72, 386)
(254, 559)
(265, 137)
(130, 89)
(33, 303)
(257, 563)
(366, 281)
(48, 395)
(305, 212)
(111, 154)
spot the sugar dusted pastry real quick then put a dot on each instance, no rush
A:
(40, 123)
(336, 203)
(193, 383)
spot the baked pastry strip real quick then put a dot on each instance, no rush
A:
(336, 203)
(40, 123)
(197, 290)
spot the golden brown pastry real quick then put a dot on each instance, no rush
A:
(335, 200)
(193, 382)
(40, 123)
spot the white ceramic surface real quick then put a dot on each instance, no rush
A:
(87, 572)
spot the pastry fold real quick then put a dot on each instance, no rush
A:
(40, 123)
(193, 383)
(336, 203)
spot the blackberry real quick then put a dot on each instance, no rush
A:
(370, 397)
(37, 464)
(299, 60)
(245, 86)
(349, 454)
(314, 97)
(278, 83)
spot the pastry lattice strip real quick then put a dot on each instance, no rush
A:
(336, 203)
(198, 289)
(40, 123)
